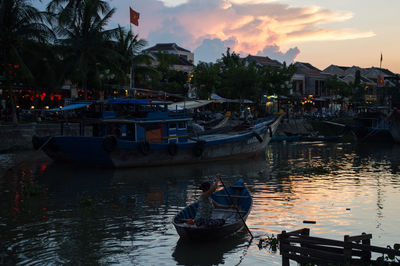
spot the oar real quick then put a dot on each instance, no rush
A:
(237, 210)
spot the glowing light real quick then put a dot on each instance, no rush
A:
(32, 107)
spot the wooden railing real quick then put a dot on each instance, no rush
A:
(301, 247)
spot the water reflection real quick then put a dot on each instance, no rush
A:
(214, 253)
(62, 214)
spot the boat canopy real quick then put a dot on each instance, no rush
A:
(188, 104)
(220, 99)
(70, 107)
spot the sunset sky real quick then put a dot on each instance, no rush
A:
(321, 32)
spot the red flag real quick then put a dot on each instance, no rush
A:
(381, 81)
(134, 16)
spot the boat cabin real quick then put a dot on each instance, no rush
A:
(140, 120)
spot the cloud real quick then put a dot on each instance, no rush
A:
(273, 51)
(257, 27)
(212, 49)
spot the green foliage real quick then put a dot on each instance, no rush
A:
(85, 200)
(230, 77)
(206, 79)
(270, 242)
(277, 80)
(237, 80)
(20, 25)
(337, 86)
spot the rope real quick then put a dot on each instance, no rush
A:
(47, 141)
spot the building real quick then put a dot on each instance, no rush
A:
(261, 61)
(186, 58)
(309, 80)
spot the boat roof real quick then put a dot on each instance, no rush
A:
(70, 107)
(136, 101)
(145, 121)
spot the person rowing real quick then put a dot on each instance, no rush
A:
(207, 205)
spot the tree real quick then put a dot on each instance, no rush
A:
(338, 86)
(20, 25)
(81, 28)
(277, 80)
(206, 79)
(129, 46)
(237, 80)
(166, 78)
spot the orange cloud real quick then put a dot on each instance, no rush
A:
(253, 24)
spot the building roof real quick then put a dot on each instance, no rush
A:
(342, 67)
(307, 65)
(263, 60)
(166, 47)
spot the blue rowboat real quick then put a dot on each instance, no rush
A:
(233, 223)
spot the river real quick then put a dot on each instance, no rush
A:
(64, 214)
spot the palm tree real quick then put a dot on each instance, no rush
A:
(20, 25)
(81, 28)
(129, 47)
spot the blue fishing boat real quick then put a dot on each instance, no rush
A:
(233, 219)
(142, 132)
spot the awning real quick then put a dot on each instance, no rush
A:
(218, 98)
(70, 107)
(129, 101)
(188, 104)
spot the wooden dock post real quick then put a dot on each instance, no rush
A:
(367, 253)
(282, 239)
(347, 249)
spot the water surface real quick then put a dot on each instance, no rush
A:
(62, 214)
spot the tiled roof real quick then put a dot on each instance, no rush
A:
(342, 67)
(307, 65)
(263, 60)
(166, 47)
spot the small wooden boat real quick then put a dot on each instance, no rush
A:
(233, 222)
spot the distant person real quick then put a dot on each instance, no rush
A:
(207, 205)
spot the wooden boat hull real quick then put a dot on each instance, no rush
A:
(203, 233)
(119, 152)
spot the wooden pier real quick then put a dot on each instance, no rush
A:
(353, 250)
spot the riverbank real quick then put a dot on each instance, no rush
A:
(19, 137)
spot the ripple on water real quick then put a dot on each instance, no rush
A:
(344, 189)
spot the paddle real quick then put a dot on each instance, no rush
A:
(237, 210)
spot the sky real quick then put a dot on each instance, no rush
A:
(320, 32)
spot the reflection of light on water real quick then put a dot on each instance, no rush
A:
(341, 201)
(6, 160)
(131, 220)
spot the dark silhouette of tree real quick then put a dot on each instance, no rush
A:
(21, 25)
(85, 41)
(206, 79)
(276, 80)
(237, 80)
(129, 46)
